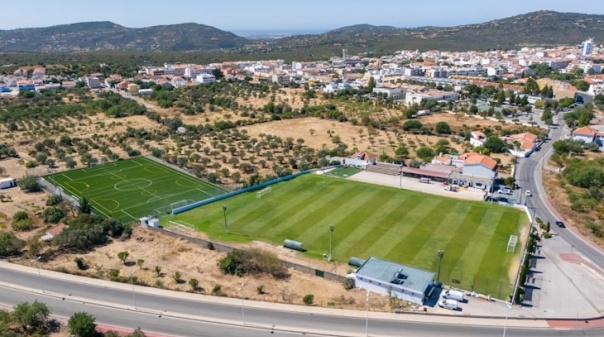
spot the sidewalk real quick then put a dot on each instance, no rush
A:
(497, 312)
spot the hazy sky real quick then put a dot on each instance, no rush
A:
(278, 14)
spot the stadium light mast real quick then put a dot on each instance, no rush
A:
(226, 228)
(331, 228)
(440, 253)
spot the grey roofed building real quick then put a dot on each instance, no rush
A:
(397, 280)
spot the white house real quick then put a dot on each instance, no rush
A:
(395, 280)
(205, 78)
(589, 135)
(394, 93)
(360, 159)
(478, 165)
(477, 138)
(524, 144)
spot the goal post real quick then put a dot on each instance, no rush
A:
(178, 204)
(263, 191)
(512, 243)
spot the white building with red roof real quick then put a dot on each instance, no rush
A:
(523, 144)
(589, 135)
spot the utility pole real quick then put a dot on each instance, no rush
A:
(226, 228)
(331, 228)
(440, 253)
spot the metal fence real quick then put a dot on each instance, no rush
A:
(244, 190)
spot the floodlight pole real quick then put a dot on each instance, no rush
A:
(400, 183)
(440, 253)
(132, 284)
(507, 313)
(331, 228)
(226, 228)
(241, 296)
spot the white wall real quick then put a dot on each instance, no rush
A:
(379, 287)
(478, 170)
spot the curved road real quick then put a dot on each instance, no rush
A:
(182, 314)
(529, 176)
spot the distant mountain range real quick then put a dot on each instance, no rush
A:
(91, 36)
(542, 28)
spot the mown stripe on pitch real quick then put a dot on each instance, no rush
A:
(498, 246)
(350, 219)
(375, 227)
(392, 229)
(406, 249)
(480, 244)
(460, 239)
(317, 211)
(261, 214)
(452, 213)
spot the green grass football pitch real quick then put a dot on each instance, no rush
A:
(370, 220)
(129, 189)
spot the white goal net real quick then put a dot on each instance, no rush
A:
(512, 243)
(263, 191)
(178, 204)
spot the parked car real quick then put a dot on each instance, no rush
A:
(560, 224)
(528, 193)
(456, 295)
(448, 304)
(506, 190)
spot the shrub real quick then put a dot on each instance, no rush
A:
(80, 263)
(194, 284)
(348, 283)
(240, 262)
(23, 225)
(308, 299)
(595, 228)
(29, 184)
(260, 290)
(82, 324)
(123, 256)
(21, 215)
(210, 246)
(217, 290)
(114, 273)
(157, 270)
(177, 277)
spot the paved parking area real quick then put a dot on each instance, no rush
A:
(413, 184)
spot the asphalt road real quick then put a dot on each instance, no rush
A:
(182, 317)
(529, 177)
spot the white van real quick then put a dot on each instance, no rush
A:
(454, 295)
(424, 180)
(448, 304)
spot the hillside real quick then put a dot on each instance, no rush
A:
(92, 36)
(544, 28)
(537, 28)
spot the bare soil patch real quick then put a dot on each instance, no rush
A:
(559, 200)
(192, 261)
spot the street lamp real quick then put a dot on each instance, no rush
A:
(440, 253)
(505, 327)
(367, 316)
(401, 177)
(132, 284)
(331, 228)
(241, 296)
(226, 228)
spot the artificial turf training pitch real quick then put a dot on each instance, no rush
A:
(370, 220)
(129, 189)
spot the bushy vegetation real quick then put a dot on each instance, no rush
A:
(10, 245)
(86, 231)
(241, 262)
